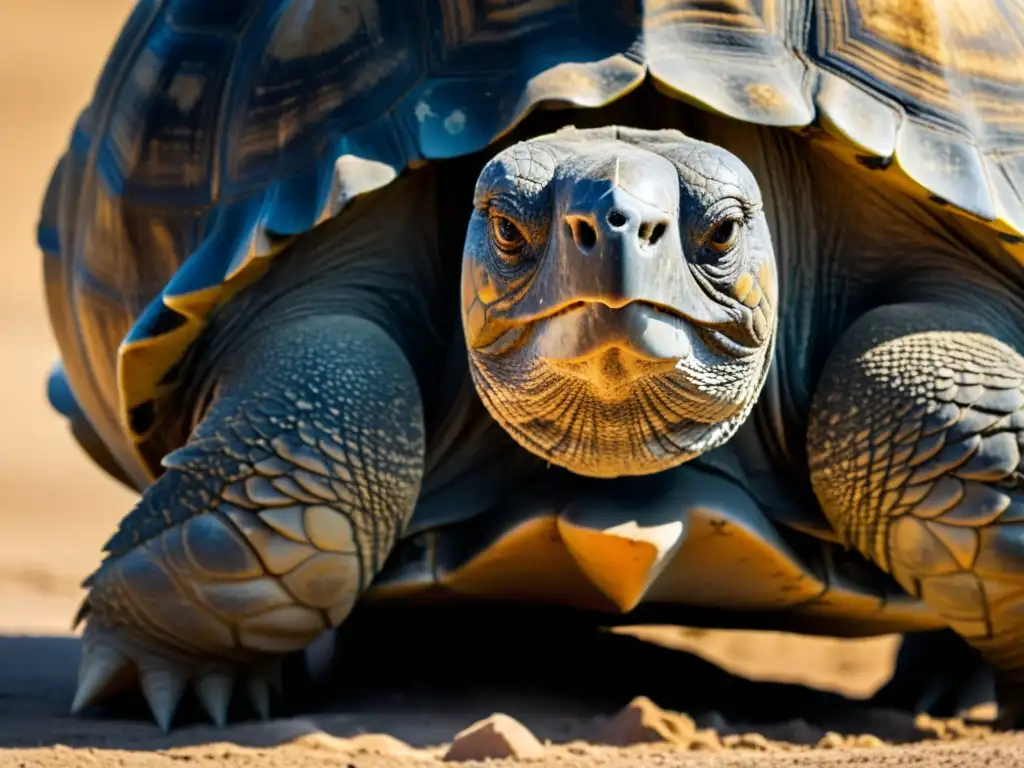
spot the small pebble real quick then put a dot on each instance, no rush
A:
(706, 740)
(497, 736)
(580, 748)
(866, 740)
(951, 729)
(831, 740)
(308, 734)
(746, 741)
(644, 722)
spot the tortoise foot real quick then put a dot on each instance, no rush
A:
(266, 527)
(927, 481)
(114, 659)
(219, 599)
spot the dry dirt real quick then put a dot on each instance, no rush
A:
(57, 509)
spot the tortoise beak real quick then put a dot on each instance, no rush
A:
(620, 242)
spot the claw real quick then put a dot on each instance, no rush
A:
(99, 668)
(163, 687)
(163, 678)
(214, 692)
(259, 695)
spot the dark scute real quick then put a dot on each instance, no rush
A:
(874, 163)
(166, 321)
(223, 16)
(142, 417)
(169, 101)
(171, 375)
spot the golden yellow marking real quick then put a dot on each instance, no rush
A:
(753, 298)
(765, 273)
(984, 45)
(196, 303)
(742, 570)
(475, 319)
(486, 293)
(743, 286)
(966, 36)
(973, 39)
(910, 24)
(737, 13)
(764, 96)
(278, 554)
(622, 561)
(528, 562)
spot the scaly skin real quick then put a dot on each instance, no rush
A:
(915, 453)
(268, 524)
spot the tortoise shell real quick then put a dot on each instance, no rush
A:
(219, 131)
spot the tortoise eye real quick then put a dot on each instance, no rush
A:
(506, 235)
(724, 235)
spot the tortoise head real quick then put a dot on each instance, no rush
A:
(618, 297)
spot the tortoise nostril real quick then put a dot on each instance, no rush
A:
(583, 233)
(616, 218)
(650, 234)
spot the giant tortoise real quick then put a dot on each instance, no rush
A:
(737, 324)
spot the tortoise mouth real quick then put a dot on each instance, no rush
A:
(583, 330)
(610, 391)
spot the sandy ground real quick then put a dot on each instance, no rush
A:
(56, 510)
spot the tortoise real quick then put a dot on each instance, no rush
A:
(637, 309)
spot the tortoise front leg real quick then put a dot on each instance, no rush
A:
(915, 455)
(268, 523)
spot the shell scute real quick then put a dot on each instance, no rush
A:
(319, 72)
(225, 17)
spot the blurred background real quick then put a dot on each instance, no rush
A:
(56, 508)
